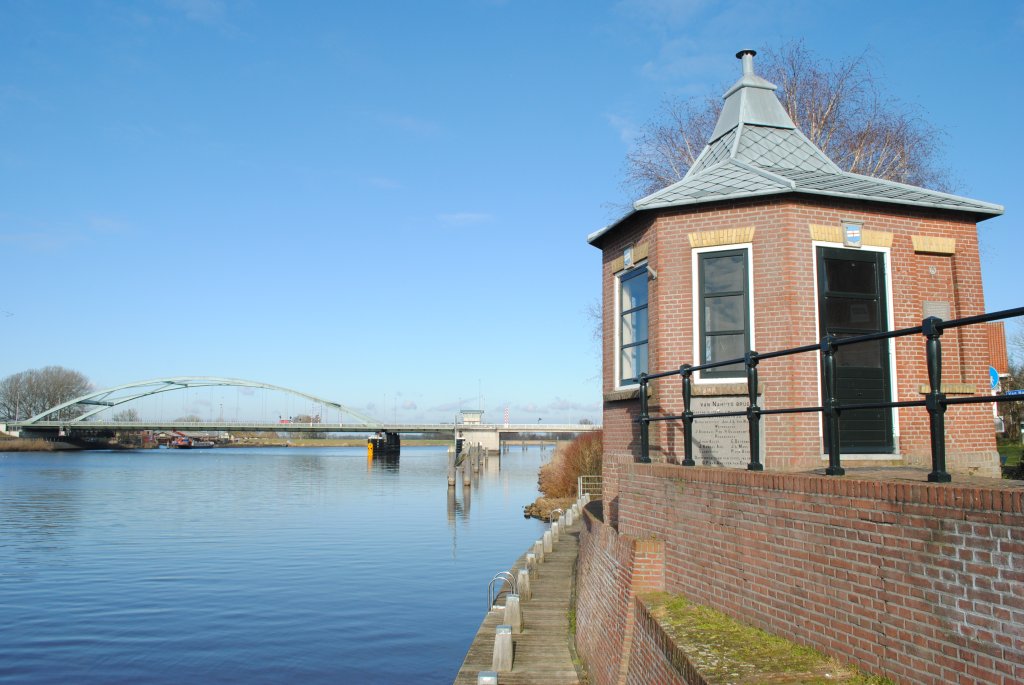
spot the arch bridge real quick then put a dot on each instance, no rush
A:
(94, 403)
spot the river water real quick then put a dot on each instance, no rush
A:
(299, 565)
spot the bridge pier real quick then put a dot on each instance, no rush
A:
(385, 444)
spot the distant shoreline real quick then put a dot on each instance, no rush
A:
(328, 442)
(28, 445)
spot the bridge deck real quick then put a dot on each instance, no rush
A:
(251, 426)
(541, 653)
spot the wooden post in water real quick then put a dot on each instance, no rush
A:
(451, 468)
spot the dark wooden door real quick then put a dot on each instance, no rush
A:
(851, 302)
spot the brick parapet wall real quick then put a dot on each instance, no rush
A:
(921, 582)
(617, 636)
(655, 657)
(612, 569)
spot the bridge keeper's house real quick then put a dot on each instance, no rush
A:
(767, 244)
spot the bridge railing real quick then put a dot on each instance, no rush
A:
(935, 401)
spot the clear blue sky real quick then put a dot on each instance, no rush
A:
(388, 201)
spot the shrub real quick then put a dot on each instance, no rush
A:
(581, 457)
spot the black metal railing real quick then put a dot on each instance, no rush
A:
(935, 401)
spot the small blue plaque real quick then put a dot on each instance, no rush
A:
(852, 233)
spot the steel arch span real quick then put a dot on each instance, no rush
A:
(102, 400)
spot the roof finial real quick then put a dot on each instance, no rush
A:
(748, 60)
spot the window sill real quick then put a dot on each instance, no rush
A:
(628, 393)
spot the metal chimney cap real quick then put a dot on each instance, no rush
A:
(747, 56)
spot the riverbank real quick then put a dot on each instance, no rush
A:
(8, 444)
(325, 442)
(543, 507)
(540, 649)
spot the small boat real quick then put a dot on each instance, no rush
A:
(182, 443)
(199, 444)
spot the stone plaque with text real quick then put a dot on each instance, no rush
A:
(722, 441)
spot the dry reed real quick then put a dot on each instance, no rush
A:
(581, 457)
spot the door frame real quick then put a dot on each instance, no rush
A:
(891, 347)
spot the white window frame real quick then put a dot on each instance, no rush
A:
(695, 292)
(617, 324)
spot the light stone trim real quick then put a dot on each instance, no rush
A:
(630, 394)
(699, 390)
(640, 253)
(722, 236)
(722, 389)
(934, 244)
(950, 389)
(834, 234)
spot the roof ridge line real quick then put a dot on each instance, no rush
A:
(912, 203)
(828, 159)
(740, 130)
(899, 184)
(789, 183)
(696, 163)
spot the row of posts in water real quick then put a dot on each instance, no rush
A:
(467, 462)
(517, 582)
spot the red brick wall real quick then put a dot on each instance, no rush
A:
(603, 598)
(616, 568)
(923, 583)
(655, 657)
(785, 316)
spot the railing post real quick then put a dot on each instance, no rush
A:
(936, 401)
(645, 420)
(831, 411)
(753, 412)
(687, 372)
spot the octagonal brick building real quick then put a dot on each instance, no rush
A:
(767, 244)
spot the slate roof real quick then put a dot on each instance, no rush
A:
(756, 150)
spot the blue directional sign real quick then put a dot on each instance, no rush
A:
(993, 376)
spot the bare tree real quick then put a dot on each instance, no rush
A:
(126, 416)
(27, 393)
(669, 145)
(840, 106)
(306, 418)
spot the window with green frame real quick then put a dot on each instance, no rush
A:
(632, 325)
(724, 291)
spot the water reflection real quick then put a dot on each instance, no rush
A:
(249, 565)
(458, 508)
(387, 464)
